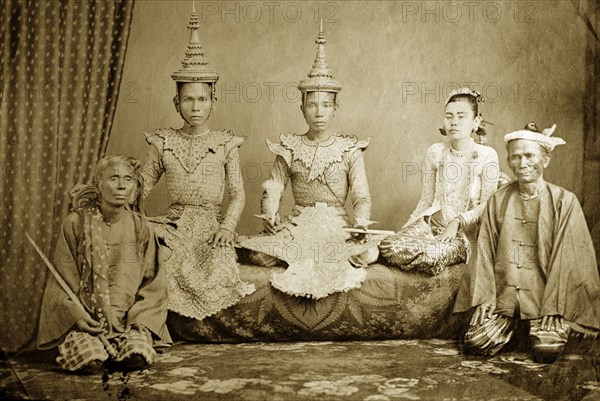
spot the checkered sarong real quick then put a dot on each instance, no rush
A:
(79, 348)
(488, 338)
(134, 342)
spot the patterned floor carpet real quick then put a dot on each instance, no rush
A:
(428, 370)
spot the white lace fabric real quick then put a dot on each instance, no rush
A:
(457, 183)
(317, 249)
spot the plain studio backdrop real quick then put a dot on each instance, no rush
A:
(397, 62)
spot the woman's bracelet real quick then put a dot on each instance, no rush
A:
(461, 222)
(233, 233)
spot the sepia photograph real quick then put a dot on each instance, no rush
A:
(345, 200)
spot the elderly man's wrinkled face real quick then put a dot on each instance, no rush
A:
(117, 184)
(527, 160)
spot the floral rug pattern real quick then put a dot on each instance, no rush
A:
(427, 370)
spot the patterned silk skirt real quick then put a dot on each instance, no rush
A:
(201, 280)
(417, 247)
(316, 249)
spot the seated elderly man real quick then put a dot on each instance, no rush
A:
(534, 265)
(109, 298)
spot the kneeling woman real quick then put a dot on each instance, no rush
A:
(458, 178)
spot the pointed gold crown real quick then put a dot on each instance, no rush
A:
(194, 67)
(319, 76)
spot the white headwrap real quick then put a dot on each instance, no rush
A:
(544, 138)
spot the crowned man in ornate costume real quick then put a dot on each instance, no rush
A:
(323, 168)
(199, 164)
(534, 265)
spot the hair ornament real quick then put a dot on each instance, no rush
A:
(466, 91)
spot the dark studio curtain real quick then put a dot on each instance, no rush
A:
(60, 70)
(589, 12)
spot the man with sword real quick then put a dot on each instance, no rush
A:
(107, 296)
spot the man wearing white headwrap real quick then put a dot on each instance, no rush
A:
(531, 133)
(535, 263)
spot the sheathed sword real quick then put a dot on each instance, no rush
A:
(108, 346)
(368, 231)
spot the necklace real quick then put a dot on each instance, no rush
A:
(192, 136)
(110, 223)
(527, 197)
(315, 143)
(468, 152)
(529, 208)
(464, 184)
(539, 187)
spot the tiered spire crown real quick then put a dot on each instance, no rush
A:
(319, 76)
(194, 67)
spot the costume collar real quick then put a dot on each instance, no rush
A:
(329, 141)
(191, 149)
(317, 156)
